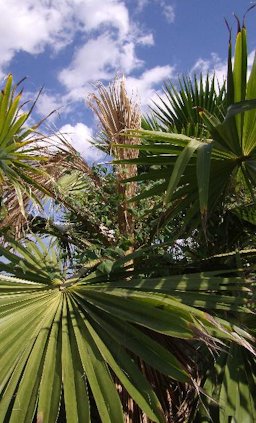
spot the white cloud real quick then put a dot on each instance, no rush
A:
(109, 44)
(92, 61)
(250, 59)
(31, 25)
(168, 11)
(165, 6)
(94, 13)
(48, 103)
(146, 40)
(98, 59)
(147, 84)
(213, 66)
(127, 59)
(141, 4)
(79, 137)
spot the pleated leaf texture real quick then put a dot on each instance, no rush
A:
(63, 339)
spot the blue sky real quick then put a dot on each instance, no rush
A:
(68, 45)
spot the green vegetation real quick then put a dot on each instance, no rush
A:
(138, 305)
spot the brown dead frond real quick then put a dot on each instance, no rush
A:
(117, 113)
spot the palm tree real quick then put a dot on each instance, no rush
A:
(224, 150)
(213, 174)
(117, 112)
(97, 340)
(30, 167)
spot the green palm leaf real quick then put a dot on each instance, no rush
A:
(231, 382)
(60, 336)
(178, 108)
(224, 149)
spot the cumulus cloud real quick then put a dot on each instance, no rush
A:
(146, 40)
(250, 59)
(98, 59)
(146, 85)
(48, 103)
(92, 61)
(110, 47)
(141, 4)
(168, 11)
(30, 26)
(80, 136)
(108, 44)
(93, 14)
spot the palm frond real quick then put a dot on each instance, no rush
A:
(93, 338)
(224, 148)
(178, 108)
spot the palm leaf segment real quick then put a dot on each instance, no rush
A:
(63, 339)
(231, 382)
(178, 108)
(16, 158)
(195, 172)
(22, 175)
(231, 379)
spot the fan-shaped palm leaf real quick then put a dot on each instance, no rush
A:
(178, 108)
(201, 171)
(63, 339)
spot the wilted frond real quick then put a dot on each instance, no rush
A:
(116, 113)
